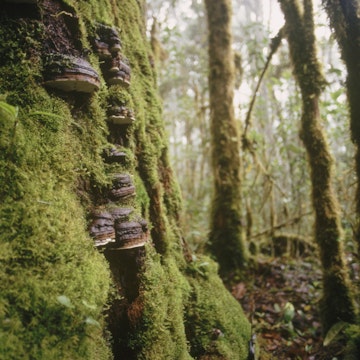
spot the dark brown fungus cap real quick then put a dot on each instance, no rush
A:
(129, 235)
(102, 49)
(120, 180)
(102, 228)
(121, 115)
(122, 187)
(108, 36)
(68, 73)
(123, 192)
(114, 155)
(119, 71)
(121, 213)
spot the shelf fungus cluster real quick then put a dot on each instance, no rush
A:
(131, 234)
(122, 187)
(118, 72)
(102, 228)
(107, 41)
(115, 66)
(114, 230)
(116, 227)
(69, 73)
(120, 115)
(114, 155)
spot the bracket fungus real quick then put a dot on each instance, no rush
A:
(102, 228)
(107, 41)
(119, 71)
(120, 213)
(114, 155)
(122, 187)
(102, 49)
(130, 234)
(121, 115)
(69, 73)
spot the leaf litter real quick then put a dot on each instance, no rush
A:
(280, 296)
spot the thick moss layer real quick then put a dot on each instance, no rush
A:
(188, 314)
(54, 283)
(215, 324)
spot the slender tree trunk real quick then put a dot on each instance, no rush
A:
(345, 20)
(336, 303)
(226, 239)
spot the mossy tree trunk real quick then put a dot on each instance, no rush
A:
(55, 174)
(345, 20)
(336, 303)
(226, 232)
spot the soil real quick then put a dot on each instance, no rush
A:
(281, 299)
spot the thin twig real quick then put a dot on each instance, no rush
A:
(279, 226)
(274, 45)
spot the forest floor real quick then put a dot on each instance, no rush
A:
(281, 299)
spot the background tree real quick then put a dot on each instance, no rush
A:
(182, 78)
(337, 302)
(345, 20)
(226, 233)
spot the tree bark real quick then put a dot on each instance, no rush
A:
(345, 20)
(336, 303)
(226, 232)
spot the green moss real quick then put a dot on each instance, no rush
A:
(45, 251)
(352, 351)
(160, 332)
(182, 313)
(215, 323)
(226, 240)
(54, 285)
(337, 302)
